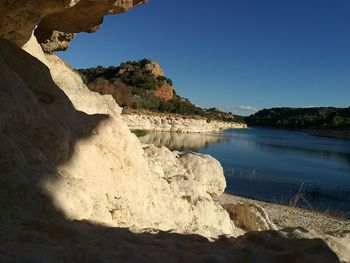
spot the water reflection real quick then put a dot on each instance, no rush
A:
(293, 143)
(182, 141)
(304, 150)
(272, 164)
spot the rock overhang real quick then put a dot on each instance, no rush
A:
(50, 18)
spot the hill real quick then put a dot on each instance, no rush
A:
(302, 118)
(141, 85)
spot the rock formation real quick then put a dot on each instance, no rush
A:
(165, 92)
(73, 175)
(78, 153)
(175, 123)
(155, 68)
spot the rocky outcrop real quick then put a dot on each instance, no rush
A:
(58, 41)
(118, 187)
(155, 68)
(175, 123)
(165, 92)
(19, 18)
(189, 171)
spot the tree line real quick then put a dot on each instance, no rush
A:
(302, 118)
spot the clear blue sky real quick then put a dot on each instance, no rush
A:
(234, 53)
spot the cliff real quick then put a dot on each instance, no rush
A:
(175, 123)
(77, 185)
(142, 86)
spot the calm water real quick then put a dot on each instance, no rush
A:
(273, 165)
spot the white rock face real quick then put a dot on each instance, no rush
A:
(176, 124)
(86, 160)
(202, 171)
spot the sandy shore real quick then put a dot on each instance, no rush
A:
(287, 216)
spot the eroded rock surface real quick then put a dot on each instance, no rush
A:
(188, 170)
(176, 123)
(116, 187)
(19, 18)
(165, 92)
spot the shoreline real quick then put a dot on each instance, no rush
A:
(176, 123)
(338, 134)
(284, 216)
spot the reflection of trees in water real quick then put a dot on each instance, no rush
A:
(309, 151)
(181, 141)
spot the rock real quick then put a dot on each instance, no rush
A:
(59, 41)
(165, 92)
(206, 170)
(176, 123)
(201, 170)
(155, 68)
(249, 216)
(85, 160)
(19, 18)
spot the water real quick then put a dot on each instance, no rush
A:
(273, 165)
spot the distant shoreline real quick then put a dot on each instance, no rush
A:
(176, 123)
(338, 134)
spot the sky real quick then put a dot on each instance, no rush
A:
(236, 55)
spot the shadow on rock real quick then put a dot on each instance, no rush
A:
(85, 242)
(39, 128)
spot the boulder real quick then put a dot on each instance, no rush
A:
(249, 216)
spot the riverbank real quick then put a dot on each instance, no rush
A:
(288, 216)
(176, 123)
(339, 134)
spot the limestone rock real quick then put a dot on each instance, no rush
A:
(79, 154)
(59, 41)
(176, 124)
(206, 170)
(249, 216)
(19, 18)
(202, 171)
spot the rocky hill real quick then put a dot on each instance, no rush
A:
(77, 186)
(141, 85)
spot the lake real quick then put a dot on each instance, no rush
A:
(274, 165)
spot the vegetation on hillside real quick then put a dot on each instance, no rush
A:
(302, 118)
(133, 86)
